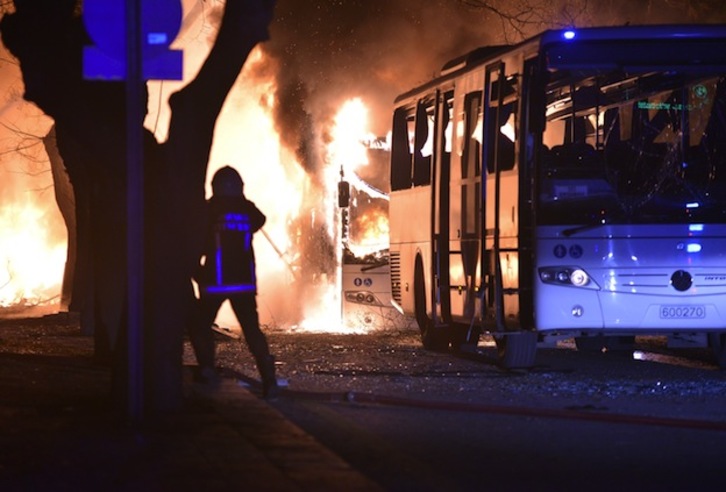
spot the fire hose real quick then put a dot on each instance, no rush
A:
(279, 253)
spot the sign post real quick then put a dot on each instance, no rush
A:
(134, 212)
(132, 39)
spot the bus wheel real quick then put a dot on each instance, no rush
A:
(517, 350)
(432, 337)
(717, 342)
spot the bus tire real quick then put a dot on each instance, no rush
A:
(432, 337)
(717, 343)
(517, 350)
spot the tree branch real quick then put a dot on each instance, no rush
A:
(196, 107)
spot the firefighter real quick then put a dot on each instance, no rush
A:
(227, 271)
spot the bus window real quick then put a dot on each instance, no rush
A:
(423, 144)
(471, 164)
(401, 150)
(635, 153)
(471, 158)
(502, 124)
(554, 133)
(448, 125)
(502, 134)
(448, 129)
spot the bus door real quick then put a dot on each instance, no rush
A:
(464, 212)
(442, 199)
(500, 191)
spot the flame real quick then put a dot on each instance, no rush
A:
(348, 151)
(350, 138)
(290, 190)
(32, 261)
(33, 240)
(370, 233)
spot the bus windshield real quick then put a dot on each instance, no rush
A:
(620, 148)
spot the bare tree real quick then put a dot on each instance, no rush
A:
(519, 19)
(614, 12)
(522, 18)
(47, 38)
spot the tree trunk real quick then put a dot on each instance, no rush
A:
(65, 199)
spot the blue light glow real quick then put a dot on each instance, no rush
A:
(693, 248)
(695, 227)
(692, 205)
(569, 34)
(156, 38)
(228, 289)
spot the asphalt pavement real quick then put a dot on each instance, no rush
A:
(57, 433)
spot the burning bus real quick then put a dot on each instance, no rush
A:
(366, 299)
(570, 186)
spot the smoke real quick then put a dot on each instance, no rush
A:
(329, 51)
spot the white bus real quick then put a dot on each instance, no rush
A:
(570, 186)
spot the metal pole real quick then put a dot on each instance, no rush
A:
(134, 210)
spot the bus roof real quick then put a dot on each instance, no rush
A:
(482, 55)
(651, 32)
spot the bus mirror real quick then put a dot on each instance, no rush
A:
(343, 194)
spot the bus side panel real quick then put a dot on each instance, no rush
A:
(411, 236)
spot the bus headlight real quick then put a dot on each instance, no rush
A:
(574, 276)
(362, 297)
(579, 278)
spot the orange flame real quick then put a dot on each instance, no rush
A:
(32, 262)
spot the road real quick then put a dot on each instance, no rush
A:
(416, 420)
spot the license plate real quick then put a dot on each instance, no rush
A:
(695, 311)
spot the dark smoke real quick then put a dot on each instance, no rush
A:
(332, 50)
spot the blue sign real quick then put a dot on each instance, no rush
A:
(105, 22)
(362, 281)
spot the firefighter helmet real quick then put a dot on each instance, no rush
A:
(227, 182)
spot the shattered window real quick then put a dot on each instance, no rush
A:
(625, 149)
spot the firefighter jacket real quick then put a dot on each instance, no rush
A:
(228, 265)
